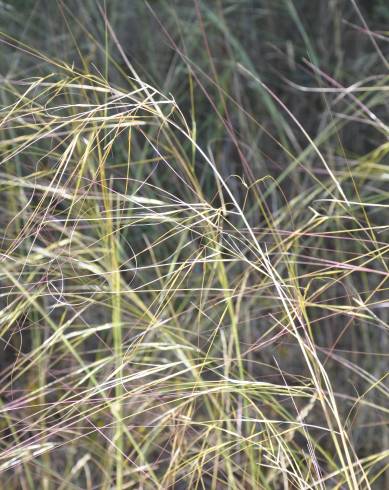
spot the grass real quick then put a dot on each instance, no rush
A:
(194, 245)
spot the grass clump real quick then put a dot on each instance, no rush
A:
(194, 245)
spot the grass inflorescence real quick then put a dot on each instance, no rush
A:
(194, 245)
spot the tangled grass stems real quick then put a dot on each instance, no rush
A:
(169, 323)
